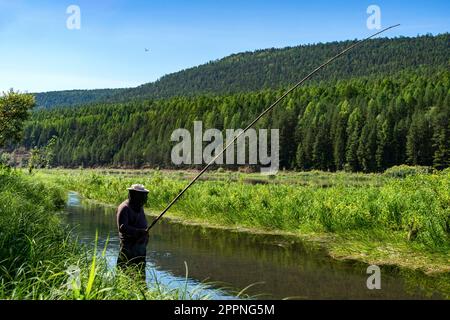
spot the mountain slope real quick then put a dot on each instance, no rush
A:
(273, 68)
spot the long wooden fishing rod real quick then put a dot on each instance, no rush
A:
(261, 115)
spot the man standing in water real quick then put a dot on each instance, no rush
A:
(132, 226)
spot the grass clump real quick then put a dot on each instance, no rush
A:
(404, 170)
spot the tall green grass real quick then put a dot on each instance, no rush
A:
(416, 207)
(36, 251)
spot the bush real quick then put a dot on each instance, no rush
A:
(403, 171)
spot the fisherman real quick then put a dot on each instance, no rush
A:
(132, 226)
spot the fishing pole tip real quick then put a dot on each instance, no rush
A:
(382, 31)
(390, 27)
(393, 26)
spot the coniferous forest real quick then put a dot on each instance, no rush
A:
(363, 124)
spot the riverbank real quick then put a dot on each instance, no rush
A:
(392, 221)
(40, 258)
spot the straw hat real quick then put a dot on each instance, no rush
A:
(138, 187)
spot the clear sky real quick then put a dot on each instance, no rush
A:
(39, 53)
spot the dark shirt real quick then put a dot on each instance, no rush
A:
(130, 224)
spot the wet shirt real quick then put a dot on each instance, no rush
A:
(129, 223)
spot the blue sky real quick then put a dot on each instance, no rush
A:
(39, 53)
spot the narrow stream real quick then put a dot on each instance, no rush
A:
(277, 266)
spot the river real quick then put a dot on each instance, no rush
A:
(224, 262)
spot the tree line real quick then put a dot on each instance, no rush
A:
(366, 124)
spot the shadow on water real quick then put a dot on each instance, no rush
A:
(278, 266)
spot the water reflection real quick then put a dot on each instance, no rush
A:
(279, 266)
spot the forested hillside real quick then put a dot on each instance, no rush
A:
(274, 68)
(361, 124)
(73, 97)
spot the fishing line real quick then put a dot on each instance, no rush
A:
(261, 115)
